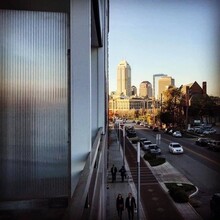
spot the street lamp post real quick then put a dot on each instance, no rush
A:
(124, 145)
(138, 185)
(187, 105)
(119, 125)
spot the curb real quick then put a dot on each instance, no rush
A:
(162, 184)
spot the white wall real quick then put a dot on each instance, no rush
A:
(80, 46)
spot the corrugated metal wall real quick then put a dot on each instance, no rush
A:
(33, 104)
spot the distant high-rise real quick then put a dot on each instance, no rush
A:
(124, 78)
(133, 91)
(163, 84)
(145, 89)
(156, 77)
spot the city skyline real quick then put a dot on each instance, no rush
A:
(170, 37)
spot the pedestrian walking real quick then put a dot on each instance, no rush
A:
(113, 172)
(123, 173)
(130, 205)
(120, 205)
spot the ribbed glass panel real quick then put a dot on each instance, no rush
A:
(33, 104)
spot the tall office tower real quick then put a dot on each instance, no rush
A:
(133, 90)
(155, 83)
(124, 78)
(163, 84)
(145, 89)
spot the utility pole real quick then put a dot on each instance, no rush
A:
(187, 105)
(138, 184)
(124, 145)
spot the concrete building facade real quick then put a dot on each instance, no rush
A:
(156, 77)
(145, 89)
(124, 78)
(51, 131)
(134, 91)
(163, 84)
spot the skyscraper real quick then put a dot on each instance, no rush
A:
(163, 84)
(145, 89)
(133, 91)
(124, 78)
(156, 77)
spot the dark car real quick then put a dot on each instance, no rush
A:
(202, 141)
(214, 145)
(215, 205)
(130, 131)
(142, 139)
(154, 149)
(155, 128)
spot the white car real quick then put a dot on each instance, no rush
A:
(177, 134)
(145, 145)
(175, 148)
(209, 131)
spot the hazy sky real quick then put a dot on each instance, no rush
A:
(179, 38)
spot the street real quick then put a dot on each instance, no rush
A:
(198, 164)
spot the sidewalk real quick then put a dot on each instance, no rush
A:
(167, 173)
(115, 157)
(162, 173)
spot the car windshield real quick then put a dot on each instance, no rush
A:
(147, 142)
(176, 145)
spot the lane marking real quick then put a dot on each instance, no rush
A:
(198, 154)
(192, 151)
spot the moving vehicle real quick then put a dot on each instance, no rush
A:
(177, 134)
(175, 148)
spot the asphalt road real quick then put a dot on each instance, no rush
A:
(199, 164)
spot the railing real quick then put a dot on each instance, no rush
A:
(84, 204)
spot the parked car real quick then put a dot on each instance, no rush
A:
(131, 132)
(154, 149)
(202, 141)
(177, 134)
(190, 129)
(145, 145)
(146, 125)
(142, 139)
(155, 128)
(215, 205)
(209, 131)
(170, 131)
(199, 130)
(175, 148)
(214, 145)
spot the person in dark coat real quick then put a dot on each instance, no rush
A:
(120, 205)
(113, 172)
(123, 173)
(130, 205)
